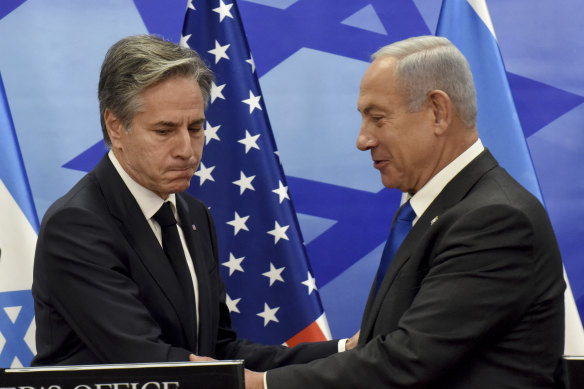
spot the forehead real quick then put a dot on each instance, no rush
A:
(379, 84)
(172, 96)
(174, 89)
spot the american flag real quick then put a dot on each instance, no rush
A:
(271, 292)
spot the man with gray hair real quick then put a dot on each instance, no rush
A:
(126, 264)
(469, 290)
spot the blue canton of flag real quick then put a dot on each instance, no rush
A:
(271, 292)
(18, 232)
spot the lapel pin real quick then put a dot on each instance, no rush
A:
(194, 227)
(434, 220)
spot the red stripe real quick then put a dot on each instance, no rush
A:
(312, 333)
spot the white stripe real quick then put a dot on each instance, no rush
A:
(322, 323)
(17, 242)
(480, 7)
(574, 344)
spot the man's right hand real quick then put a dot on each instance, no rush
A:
(352, 341)
(254, 380)
(196, 358)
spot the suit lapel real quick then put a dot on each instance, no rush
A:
(141, 238)
(452, 193)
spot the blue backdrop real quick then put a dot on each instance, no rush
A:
(310, 56)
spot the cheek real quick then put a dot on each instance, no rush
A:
(197, 145)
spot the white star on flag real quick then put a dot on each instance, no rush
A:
(279, 232)
(282, 191)
(216, 91)
(184, 41)
(251, 62)
(219, 51)
(244, 183)
(190, 5)
(249, 141)
(310, 283)
(205, 173)
(253, 102)
(238, 223)
(269, 314)
(232, 304)
(223, 10)
(274, 274)
(211, 132)
(234, 264)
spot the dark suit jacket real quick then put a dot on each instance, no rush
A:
(473, 298)
(105, 293)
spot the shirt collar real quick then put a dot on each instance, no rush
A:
(426, 195)
(148, 201)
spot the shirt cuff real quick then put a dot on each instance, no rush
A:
(342, 345)
(265, 380)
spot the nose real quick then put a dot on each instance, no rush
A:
(365, 140)
(183, 147)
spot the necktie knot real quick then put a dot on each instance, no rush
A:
(406, 213)
(164, 215)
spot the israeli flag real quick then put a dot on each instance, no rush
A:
(18, 234)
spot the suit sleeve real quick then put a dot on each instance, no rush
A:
(86, 296)
(477, 286)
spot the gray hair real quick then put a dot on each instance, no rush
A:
(427, 63)
(133, 64)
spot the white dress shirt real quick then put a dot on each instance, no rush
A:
(422, 199)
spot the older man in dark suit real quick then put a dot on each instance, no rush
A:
(116, 280)
(473, 296)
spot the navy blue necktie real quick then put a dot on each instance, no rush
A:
(398, 232)
(173, 249)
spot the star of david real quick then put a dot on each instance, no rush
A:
(343, 241)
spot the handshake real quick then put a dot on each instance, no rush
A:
(254, 379)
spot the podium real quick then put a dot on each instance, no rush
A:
(573, 372)
(171, 375)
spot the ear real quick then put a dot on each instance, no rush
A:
(114, 127)
(442, 110)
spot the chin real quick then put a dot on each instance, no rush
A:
(182, 187)
(388, 183)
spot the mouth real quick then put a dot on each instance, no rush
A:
(186, 170)
(379, 163)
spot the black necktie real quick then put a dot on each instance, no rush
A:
(173, 249)
(397, 234)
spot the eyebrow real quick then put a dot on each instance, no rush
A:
(370, 108)
(164, 123)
